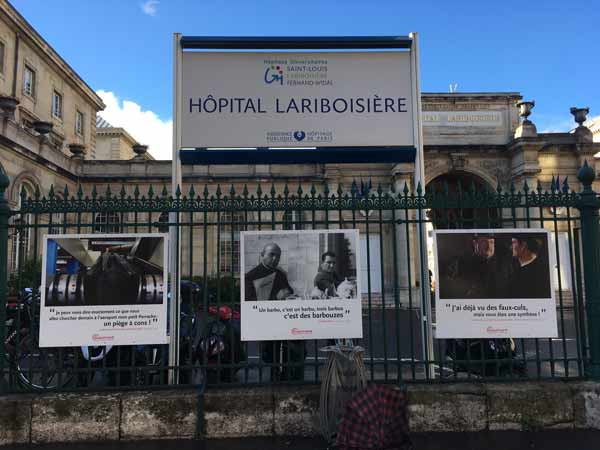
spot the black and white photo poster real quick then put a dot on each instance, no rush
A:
(494, 283)
(300, 285)
(104, 289)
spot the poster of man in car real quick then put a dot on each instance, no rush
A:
(494, 283)
(104, 289)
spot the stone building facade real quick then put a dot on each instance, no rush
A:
(481, 138)
(115, 143)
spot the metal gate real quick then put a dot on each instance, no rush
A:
(208, 222)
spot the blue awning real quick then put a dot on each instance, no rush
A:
(322, 155)
(295, 43)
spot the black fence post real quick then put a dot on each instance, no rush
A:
(590, 238)
(4, 215)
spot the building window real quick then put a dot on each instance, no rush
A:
(293, 220)
(55, 224)
(2, 53)
(229, 242)
(57, 105)
(29, 81)
(107, 223)
(22, 231)
(79, 123)
(370, 264)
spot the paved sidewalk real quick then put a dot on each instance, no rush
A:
(497, 440)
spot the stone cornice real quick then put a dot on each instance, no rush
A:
(24, 29)
(470, 97)
(116, 131)
(62, 165)
(465, 148)
(526, 143)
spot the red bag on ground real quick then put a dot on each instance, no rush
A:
(375, 418)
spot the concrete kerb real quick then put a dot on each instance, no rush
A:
(158, 415)
(15, 419)
(296, 412)
(288, 411)
(530, 406)
(586, 404)
(451, 407)
(75, 417)
(239, 413)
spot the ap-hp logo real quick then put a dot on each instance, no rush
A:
(299, 135)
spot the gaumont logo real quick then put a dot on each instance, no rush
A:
(492, 330)
(298, 331)
(100, 338)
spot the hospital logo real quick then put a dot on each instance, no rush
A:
(274, 74)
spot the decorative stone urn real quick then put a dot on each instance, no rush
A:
(42, 127)
(77, 150)
(580, 114)
(139, 150)
(527, 128)
(8, 104)
(525, 108)
(583, 134)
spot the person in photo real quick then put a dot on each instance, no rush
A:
(327, 280)
(266, 281)
(530, 278)
(477, 274)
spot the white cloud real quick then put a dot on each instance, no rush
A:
(144, 126)
(149, 7)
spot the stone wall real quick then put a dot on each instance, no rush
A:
(287, 411)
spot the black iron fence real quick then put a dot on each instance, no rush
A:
(395, 297)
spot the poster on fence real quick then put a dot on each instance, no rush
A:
(494, 283)
(104, 289)
(300, 285)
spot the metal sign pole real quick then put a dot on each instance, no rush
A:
(174, 243)
(427, 328)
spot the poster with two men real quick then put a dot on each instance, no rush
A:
(494, 283)
(300, 284)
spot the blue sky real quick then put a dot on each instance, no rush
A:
(546, 50)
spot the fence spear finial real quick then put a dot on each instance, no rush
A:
(565, 185)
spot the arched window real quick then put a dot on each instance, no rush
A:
(229, 242)
(107, 222)
(466, 217)
(453, 217)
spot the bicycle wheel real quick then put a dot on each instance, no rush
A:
(43, 368)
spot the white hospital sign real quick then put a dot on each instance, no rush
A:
(259, 99)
